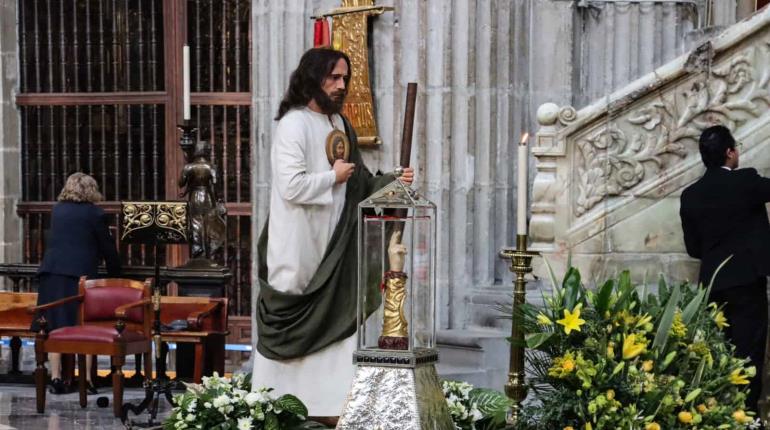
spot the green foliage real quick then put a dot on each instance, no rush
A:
(229, 404)
(619, 357)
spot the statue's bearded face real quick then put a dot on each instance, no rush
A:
(334, 89)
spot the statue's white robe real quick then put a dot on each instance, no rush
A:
(305, 206)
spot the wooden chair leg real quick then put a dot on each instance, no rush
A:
(40, 376)
(199, 360)
(148, 365)
(82, 380)
(217, 354)
(94, 369)
(117, 385)
(15, 350)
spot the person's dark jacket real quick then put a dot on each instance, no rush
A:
(78, 240)
(724, 214)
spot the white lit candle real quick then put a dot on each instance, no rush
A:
(186, 82)
(521, 201)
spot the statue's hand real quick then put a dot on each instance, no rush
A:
(396, 252)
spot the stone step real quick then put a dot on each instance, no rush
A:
(472, 375)
(475, 355)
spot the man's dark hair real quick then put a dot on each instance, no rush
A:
(306, 81)
(713, 144)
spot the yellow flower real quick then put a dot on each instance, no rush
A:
(563, 366)
(720, 320)
(644, 319)
(589, 427)
(741, 417)
(678, 329)
(647, 365)
(568, 365)
(611, 350)
(702, 408)
(568, 428)
(542, 319)
(571, 320)
(652, 426)
(737, 377)
(631, 348)
(685, 417)
(610, 394)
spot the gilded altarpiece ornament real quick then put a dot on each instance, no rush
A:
(350, 34)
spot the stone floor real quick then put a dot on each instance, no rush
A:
(17, 410)
(62, 412)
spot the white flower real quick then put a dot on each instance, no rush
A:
(191, 407)
(476, 414)
(244, 423)
(252, 398)
(207, 405)
(221, 400)
(190, 418)
(239, 394)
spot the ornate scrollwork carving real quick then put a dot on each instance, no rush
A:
(173, 217)
(640, 143)
(144, 222)
(136, 216)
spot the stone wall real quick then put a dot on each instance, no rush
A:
(10, 185)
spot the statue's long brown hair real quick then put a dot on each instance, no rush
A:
(305, 82)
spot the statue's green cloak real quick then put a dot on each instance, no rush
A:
(295, 325)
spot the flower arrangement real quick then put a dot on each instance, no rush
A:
(475, 408)
(620, 357)
(229, 404)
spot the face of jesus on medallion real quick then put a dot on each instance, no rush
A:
(339, 150)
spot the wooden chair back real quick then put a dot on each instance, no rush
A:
(102, 296)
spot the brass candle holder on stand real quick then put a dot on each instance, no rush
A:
(521, 264)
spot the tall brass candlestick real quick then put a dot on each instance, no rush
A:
(521, 264)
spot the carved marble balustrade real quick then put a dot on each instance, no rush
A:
(609, 176)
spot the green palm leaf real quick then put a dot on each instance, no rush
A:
(661, 336)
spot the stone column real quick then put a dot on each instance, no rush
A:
(744, 8)
(551, 51)
(10, 142)
(725, 12)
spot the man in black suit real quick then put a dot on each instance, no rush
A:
(723, 214)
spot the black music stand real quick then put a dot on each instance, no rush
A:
(153, 223)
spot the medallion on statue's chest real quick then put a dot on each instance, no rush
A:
(337, 146)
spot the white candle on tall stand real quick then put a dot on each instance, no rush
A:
(186, 82)
(521, 201)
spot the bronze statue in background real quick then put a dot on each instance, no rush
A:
(395, 333)
(207, 213)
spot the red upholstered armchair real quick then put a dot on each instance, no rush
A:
(114, 319)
